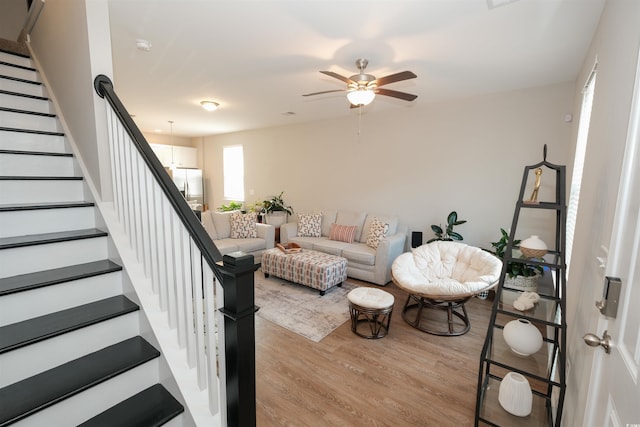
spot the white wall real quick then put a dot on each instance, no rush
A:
(70, 59)
(615, 45)
(419, 163)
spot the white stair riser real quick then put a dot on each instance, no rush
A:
(25, 103)
(32, 142)
(22, 87)
(49, 299)
(41, 191)
(28, 121)
(38, 221)
(16, 59)
(36, 165)
(91, 402)
(29, 259)
(36, 358)
(21, 73)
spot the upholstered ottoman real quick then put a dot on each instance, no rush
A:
(314, 269)
(373, 307)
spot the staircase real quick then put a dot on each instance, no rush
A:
(72, 350)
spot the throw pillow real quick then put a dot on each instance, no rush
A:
(309, 225)
(377, 232)
(243, 226)
(342, 233)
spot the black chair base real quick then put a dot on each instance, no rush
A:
(413, 312)
(376, 319)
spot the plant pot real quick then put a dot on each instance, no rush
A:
(276, 218)
(522, 283)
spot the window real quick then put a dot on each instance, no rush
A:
(233, 169)
(578, 161)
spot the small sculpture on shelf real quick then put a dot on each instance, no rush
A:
(533, 200)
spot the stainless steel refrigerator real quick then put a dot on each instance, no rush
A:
(190, 183)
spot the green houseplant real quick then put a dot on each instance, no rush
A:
(276, 210)
(232, 206)
(277, 204)
(447, 233)
(514, 268)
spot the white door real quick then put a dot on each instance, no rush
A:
(614, 391)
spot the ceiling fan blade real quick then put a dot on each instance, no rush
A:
(397, 77)
(337, 76)
(324, 91)
(396, 94)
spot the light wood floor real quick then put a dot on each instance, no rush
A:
(408, 378)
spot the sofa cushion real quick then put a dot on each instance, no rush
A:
(306, 242)
(310, 225)
(207, 223)
(328, 218)
(251, 245)
(377, 232)
(222, 224)
(333, 247)
(227, 245)
(391, 220)
(360, 253)
(352, 218)
(243, 226)
(342, 233)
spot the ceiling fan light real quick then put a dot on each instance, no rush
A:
(361, 96)
(209, 105)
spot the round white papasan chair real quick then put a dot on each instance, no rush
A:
(443, 275)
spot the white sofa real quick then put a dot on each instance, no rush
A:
(218, 226)
(363, 261)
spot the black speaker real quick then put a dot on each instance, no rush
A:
(416, 239)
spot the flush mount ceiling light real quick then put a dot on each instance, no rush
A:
(361, 96)
(144, 45)
(209, 105)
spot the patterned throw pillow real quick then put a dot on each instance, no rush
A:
(243, 226)
(309, 225)
(377, 232)
(342, 233)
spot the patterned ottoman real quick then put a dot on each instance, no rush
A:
(314, 269)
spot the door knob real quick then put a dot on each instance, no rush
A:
(593, 340)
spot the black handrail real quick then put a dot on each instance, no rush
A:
(104, 88)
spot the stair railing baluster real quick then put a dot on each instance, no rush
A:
(185, 269)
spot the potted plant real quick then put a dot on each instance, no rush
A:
(232, 206)
(520, 275)
(276, 210)
(447, 234)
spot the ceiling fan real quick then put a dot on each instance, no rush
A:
(362, 88)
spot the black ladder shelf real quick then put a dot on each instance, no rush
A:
(545, 369)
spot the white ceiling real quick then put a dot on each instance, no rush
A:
(256, 58)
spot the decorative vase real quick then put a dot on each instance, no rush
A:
(515, 394)
(522, 337)
(533, 247)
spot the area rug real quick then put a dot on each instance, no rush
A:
(301, 309)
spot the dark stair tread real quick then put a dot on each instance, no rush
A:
(41, 239)
(18, 79)
(150, 408)
(40, 391)
(39, 132)
(22, 67)
(33, 113)
(46, 205)
(10, 52)
(36, 153)
(40, 279)
(24, 95)
(37, 329)
(41, 178)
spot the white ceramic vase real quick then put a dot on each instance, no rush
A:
(515, 394)
(522, 337)
(276, 218)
